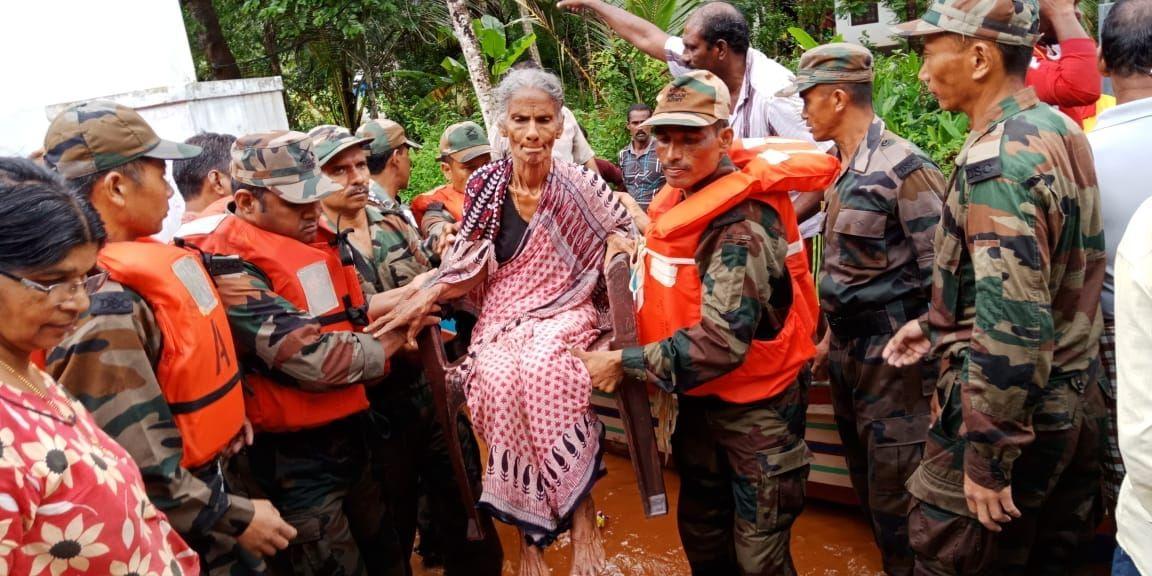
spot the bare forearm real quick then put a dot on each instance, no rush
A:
(1065, 25)
(806, 206)
(642, 34)
(447, 292)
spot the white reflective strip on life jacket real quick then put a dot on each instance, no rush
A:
(663, 268)
(318, 288)
(750, 143)
(795, 248)
(192, 275)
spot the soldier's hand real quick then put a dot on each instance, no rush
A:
(412, 312)
(243, 439)
(605, 368)
(820, 362)
(907, 346)
(268, 532)
(991, 507)
(399, 339)
(445, 238)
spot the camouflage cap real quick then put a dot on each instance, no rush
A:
(464, 141)
(95, 136)
(1014, 22)
(282, 162)
(329, 140)
(386, 136)
(697, 99)
(836, 63)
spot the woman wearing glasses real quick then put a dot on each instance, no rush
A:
(71, 500)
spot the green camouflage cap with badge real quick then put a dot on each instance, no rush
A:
(329, 140)
(386, 136)
(836, 63)
(282, 162)
(696, 99)
(1014, 22)
(95, 136)
(463, 142)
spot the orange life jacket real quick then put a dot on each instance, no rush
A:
(312, 278)
(671, 293)
(198, 372)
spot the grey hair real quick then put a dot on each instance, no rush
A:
(521, 78)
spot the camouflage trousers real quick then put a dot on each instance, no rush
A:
(1055, 485)
(321, 482)
(882, 414)
(411, 454)
(742, 472)
(220, 553)
(1112, 463)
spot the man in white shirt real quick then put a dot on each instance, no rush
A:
(1133, 269)
(716, 39)
(1120, 143)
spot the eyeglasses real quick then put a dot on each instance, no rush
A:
(61, 291)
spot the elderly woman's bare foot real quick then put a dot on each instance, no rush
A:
(587, 547)
(531, 560)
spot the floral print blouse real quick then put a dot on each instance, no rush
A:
(72, 501)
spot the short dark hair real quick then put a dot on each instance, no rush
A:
(1126, 38)
(82, 185)
(378, 162)
(1016, 59)
(638, 107)
(860, 93)
(257, 192)
(718, 21)
(217, 155)
(40, 220)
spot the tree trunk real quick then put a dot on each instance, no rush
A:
(272, 53)
(526, 25)
(473, 58)
(212, 41)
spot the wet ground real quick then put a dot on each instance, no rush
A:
(827, 540)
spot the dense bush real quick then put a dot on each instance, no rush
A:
(908, 109)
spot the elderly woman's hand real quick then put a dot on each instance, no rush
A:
(414, 312)
(639, 216)
(618, 245)
(605, 368)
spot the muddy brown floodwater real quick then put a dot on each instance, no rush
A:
(827, 540)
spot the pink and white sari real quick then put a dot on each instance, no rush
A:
(528, 396)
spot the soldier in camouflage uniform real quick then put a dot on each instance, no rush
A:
(1011, 470)
(389, 164)
(111, 361)
(742, 464)
(319, 476)
(411, 447)
(876, 276)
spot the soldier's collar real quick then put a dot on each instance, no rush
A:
(862, 159)
(374, 215)
(1014, 104)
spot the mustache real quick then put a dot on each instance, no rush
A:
(357, 189)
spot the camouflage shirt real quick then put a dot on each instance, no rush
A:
(277, 338)
(398, 254)
(742, 251)
(882, 216)
(109, 363)
(1018, 273)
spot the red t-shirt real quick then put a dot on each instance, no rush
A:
(1069, 81)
